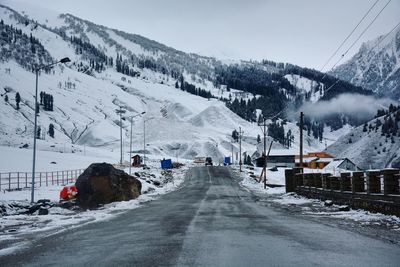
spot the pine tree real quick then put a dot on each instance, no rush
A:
(17, 99)
(247, 160)
(51, 130)
(38, 132)
(6, 98)
(235, 135)
(258, 139)
(365, 127)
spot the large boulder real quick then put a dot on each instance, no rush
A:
(101, 183)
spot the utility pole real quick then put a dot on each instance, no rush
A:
(264, 156)
(130, 142)
(120, 111)
(144, 138)
(36, 111)
(240, 148)
(144, 141)
(130, 149)
(232, 150)
(301, 138)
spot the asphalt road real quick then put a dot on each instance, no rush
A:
(210, 221)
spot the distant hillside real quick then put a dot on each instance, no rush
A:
(375, 144)
(376, 66)
(186, 109)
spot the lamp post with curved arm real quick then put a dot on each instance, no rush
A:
(37, 70)
(144, 139)
(130, 143)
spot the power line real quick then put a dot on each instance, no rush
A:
(348, 36)
(362, 33)
(379, 42)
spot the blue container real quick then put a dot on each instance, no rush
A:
(166, 164)
(227, 161)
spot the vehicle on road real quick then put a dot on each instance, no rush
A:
(199, 160)
(208, 161)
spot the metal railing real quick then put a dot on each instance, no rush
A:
(19, 180)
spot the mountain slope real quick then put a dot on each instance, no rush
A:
(88, 90)
(373, 145)
(376, 66)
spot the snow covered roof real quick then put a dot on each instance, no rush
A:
(343, 164)
(282, 152)
(316, 159)
(334, 165)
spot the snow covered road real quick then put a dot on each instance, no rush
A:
(210, 221)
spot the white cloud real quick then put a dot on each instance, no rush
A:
(357, 105)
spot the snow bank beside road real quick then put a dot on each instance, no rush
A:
(16, 230)
(310, 207)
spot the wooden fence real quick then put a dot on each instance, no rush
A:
(375, 190)
(19, 180)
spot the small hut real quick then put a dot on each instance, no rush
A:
(136, 161)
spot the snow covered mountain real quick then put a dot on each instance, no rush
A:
(110, 69)
(376, 144)
(376, 66)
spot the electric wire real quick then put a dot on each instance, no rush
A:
(377, 44)
(349, 35)
(362, 33)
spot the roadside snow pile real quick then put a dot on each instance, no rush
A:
(17, 223)
(306, 206)
(293, 199)
(251, 175)
(365, 217)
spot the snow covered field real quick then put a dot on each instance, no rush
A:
(20, 159)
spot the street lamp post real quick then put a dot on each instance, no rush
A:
(120, 111)
(130, 142)
(240, 148)
(144, 138)
(37, 70)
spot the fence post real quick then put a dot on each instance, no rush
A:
(47, 181)
(62, 177)
(289, 181)
(18, 180)
(9, 181)
(390, 184)
(345, 181)
(26, 179)
(52, 178)
(358, 182)
(57, 177)
(373, 182)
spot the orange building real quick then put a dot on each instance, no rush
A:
(315, 160)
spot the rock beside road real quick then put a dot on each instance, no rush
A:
(101, 183)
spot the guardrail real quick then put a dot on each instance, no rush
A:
(19, 180)
(375, 190)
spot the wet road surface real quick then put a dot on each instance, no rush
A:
(210, 221)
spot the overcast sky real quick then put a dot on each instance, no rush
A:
(303, 32)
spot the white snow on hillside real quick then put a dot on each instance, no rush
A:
(307, 86)
(368, 149)
(179, 124)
